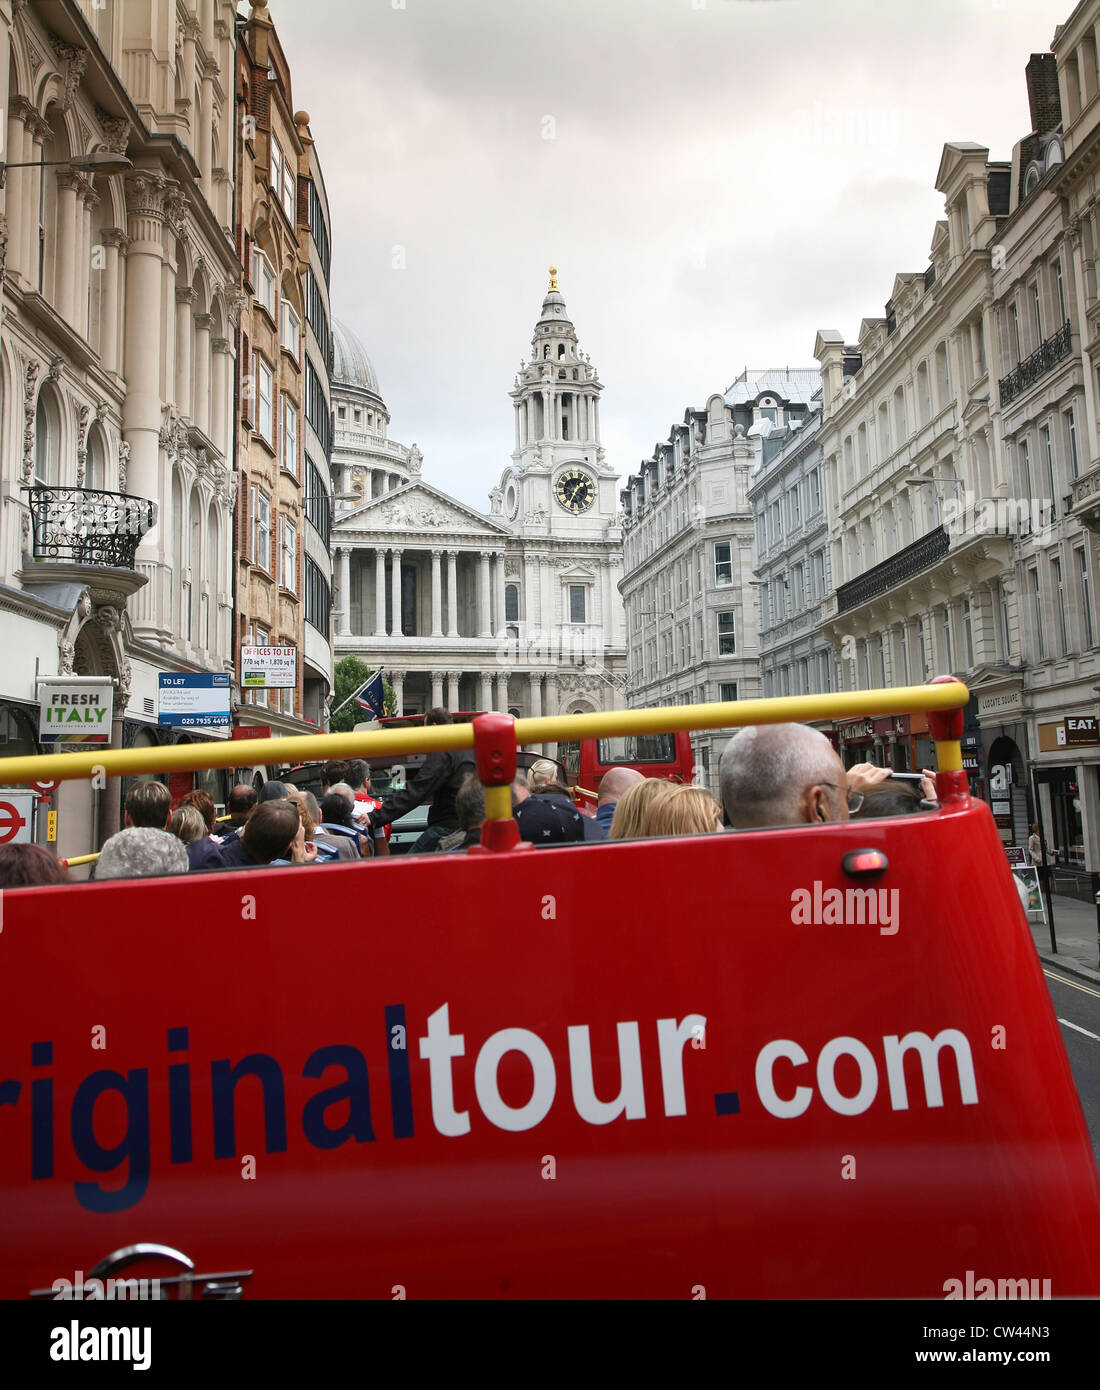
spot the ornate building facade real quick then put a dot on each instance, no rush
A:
(517, 609)
(689, 552)
(284, 420)
(118, 293)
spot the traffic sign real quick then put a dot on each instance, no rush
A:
(45, 787)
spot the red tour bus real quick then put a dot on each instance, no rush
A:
(665, 755)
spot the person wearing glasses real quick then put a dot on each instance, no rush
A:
(789, 774)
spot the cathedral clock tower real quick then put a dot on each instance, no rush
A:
(559, 483)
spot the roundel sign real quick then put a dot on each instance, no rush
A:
(44, 788)
(12, 821)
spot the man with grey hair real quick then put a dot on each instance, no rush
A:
(784, 774)
(141, 852)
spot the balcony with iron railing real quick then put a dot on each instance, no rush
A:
(1047, 355)
(906, 564)
(84, 526)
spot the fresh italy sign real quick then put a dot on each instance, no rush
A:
(75, 709)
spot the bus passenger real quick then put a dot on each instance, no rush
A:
(784, 774)
(614, 782)
(545, 780)
(437, 782)
(682, 810)
(23, 865)
(187, 824)
(626, 823)
(141, 852)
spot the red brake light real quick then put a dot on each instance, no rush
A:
(860, 862)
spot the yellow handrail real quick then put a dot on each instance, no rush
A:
(795, 709)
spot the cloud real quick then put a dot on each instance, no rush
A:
(715, 184)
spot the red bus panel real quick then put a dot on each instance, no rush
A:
(630, 1070)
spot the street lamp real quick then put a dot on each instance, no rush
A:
(101, 161)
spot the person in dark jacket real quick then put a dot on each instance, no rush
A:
(438, 781)
(546, 784)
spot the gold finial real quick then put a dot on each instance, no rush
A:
(553, 279)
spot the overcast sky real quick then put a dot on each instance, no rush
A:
(715, 180)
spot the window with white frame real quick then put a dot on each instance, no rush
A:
(577, 603)
(283, 180)
(1060, 600)
(288, 554)
(261, 529)
(727, 633)
(263, 281)
(1086, 596)
(723, 563)
(265, 393)
(1069, 423)
(1060, 290)
(290, 435)
(290, 329)
(815, 491)
(1037, 612)
(727, 692)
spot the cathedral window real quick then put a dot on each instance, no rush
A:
(577, 603)
(511, 604)
(546, 349)
(561, 351)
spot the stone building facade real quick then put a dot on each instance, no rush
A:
(118, 292)
(517, 609)
(915, 477)
(793, 577)
(688, 551)
(273, 238)
(1048, 315)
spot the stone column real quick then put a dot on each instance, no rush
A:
(81, 317)
(534, 700)
(500, 695)
(553, 702)
(501, 624)
(437, 599)
(141, 411)
(114, 241)
(547, 424)
(201, 412)
(36, 133)
(379, 592)
(344, 581)
(452, 593)
(518, 442)
(437, 689)
(395, 594)
(483, 627)
(486, 700)
(185, 298)
(68, 245)
(18, 144)
(397, 680)
(223, 367)
(453, 678)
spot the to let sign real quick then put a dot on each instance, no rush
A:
(75, 710)
(195, 701)
(269, 668)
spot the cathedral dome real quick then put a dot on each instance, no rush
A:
(350, 364)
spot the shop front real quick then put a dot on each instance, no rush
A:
(1066, 768)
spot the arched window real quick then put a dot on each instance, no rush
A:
(95, 464)
(561, 351)
(47, 440)
(511, 603)
(194, 562)
(546, 350)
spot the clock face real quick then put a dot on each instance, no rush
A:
(575, 490)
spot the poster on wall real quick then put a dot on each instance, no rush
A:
(75, 709)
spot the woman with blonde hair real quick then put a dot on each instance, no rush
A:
(631, 807)
(683, 810)
(188, 823)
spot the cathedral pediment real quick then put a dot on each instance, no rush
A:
(418, 507)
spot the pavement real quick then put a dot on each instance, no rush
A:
(1075, 936)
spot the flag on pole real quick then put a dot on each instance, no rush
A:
(372, 695)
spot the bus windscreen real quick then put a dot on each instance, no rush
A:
(636, 748)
